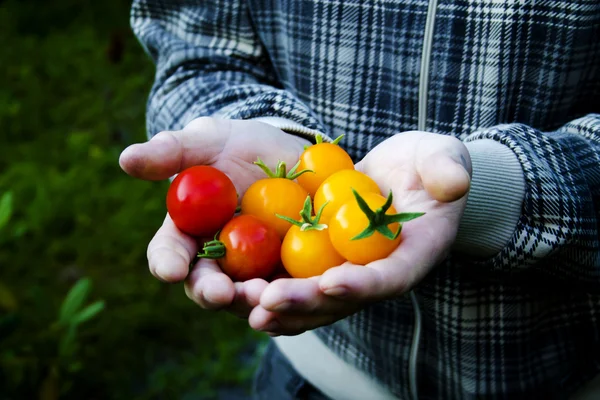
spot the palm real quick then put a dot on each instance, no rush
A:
(419, 186)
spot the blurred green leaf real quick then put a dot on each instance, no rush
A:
(88, 313)
(5, 208)
(74, 300)
(50, 386)
(67, 342)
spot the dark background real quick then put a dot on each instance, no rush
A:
(80, 315)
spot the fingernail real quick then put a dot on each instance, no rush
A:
(336, 291)
(160, 275)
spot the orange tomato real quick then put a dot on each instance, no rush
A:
(337, 189)
(323, 159)
(349, 221)
(308, 253)
(276, 194)
(270, 196)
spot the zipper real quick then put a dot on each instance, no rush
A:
(414, 348)
(425, 60)
(421, 125)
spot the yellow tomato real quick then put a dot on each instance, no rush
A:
(308, 253)
(270, 196)
(337, 189)
(323, 159)
(349, 221)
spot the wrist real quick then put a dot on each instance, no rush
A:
(494, 201)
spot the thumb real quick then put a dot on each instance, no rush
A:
(170, 152)
(445, 176)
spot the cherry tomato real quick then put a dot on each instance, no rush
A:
(349, 221)
(308, 253)
(200, 200)
(337, 189)
(246, 248)
(277, 194)
(323, 159)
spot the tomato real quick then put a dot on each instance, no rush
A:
(276, 194)
(323, 159)
(246, 248)
(306, 250)
(200, 200)
(308, 253)
(363, 234)
(337, 189)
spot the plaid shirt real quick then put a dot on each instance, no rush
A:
(521, 324)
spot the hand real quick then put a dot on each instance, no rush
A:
(232, 147)
(427, 173)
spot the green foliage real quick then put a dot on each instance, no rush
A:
(73, 96)
(5, 208)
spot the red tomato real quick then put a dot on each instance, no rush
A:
(200, 200)
(246, 248)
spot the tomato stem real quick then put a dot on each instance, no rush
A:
(379, 220)
(213, 249)
(319, 139)
(280, 170)
(307, 222)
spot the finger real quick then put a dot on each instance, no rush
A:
(277, 324)
(444, 176)
(247, 296)
(169, 152)
(299, 296)
(170, 252)
(391, 277)
(209, 287)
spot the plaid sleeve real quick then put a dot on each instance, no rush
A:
(210, 62)
(558, 230)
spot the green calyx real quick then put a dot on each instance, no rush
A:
(213, 249)
(280, 170)
(319, 140)
(307, 221)
(379, 220)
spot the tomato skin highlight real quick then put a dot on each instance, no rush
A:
(324, 159)
(337, 190)
(252, 249)
(270, 196)
(200, 200)
(349, 220)
(308, 253)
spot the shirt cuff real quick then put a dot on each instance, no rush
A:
(293, 128)
(494, 202)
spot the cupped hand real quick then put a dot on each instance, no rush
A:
(427, 173)
(231, 146)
